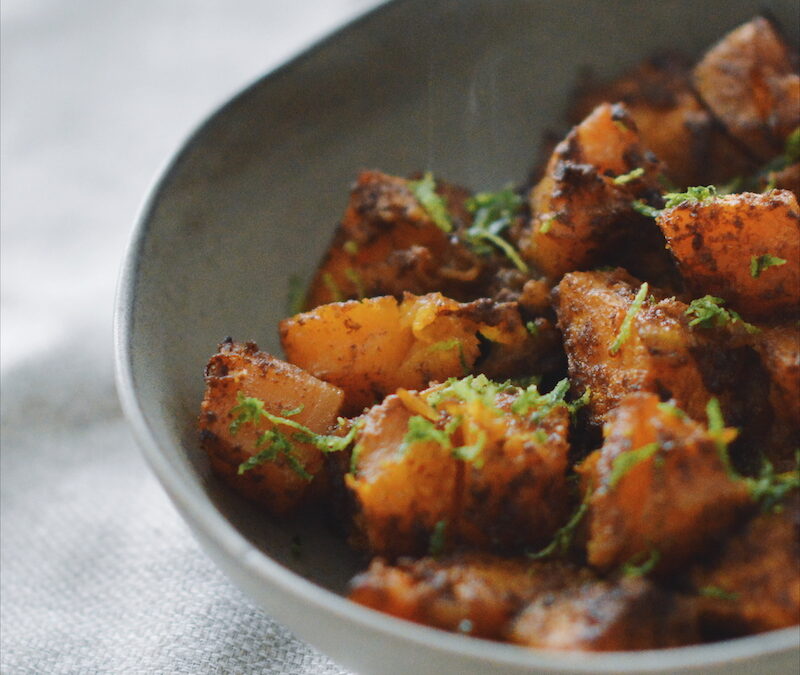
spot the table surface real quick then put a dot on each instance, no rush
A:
(97, 571)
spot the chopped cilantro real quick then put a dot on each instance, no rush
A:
(492, 213)
(453, 343)
(422, 430)
(709, 313)
(562, 539)
(354, 456)
(438, 539)
(721, 435)
(792, 151)
(473, 452)
(693, 194)
(627, 322)
(333, 287)
(770, 488)
(759, 263)
(717, 593)
(296, 295)
(425, 192)
(469, 388)
(530, 399)
(620, 125)
(628, 177)
(250, 410)
(671, 409)
(355, 278)
(642, 564)
(627, 460)
(544, 228)
(645, 209)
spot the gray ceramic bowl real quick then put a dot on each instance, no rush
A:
(463, 88)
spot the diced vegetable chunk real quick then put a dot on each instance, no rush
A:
(661, 488)
(749, 82)
(586, 194)
(372, 347)
(440, 463)
(241, 382)
(607, 615)
(744, 248)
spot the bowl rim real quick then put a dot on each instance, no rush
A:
(218, 533)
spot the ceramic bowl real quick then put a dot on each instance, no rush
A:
(465, 89)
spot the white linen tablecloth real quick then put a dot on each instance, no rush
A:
(98, 574)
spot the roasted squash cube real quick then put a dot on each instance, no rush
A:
(749, 82)
(744, 248)
(661, 489)
(241, 379)
(438, 466)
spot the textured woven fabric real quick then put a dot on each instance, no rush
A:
(98, 574)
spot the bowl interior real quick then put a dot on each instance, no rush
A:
(465, 89)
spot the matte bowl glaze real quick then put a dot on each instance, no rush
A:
(465, 89)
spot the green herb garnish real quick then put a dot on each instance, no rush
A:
(792, 151)
(628, 177)
(544, 228)
(635, 568)
(250, 410)
(717, 593)
(625, 461)
(759, 263)
(493, 212)
(355, 278)
(562, 539)
(532, 328)
(422, 430)
(350, 247)
(627, 322)
(645, 209)
(693, 194)
(709, 313)
(671, 409)
(295, 296)
(453, 343)
(333, 287)
(770, 488)
(438, 539)
(425, 192)
(719, 433)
